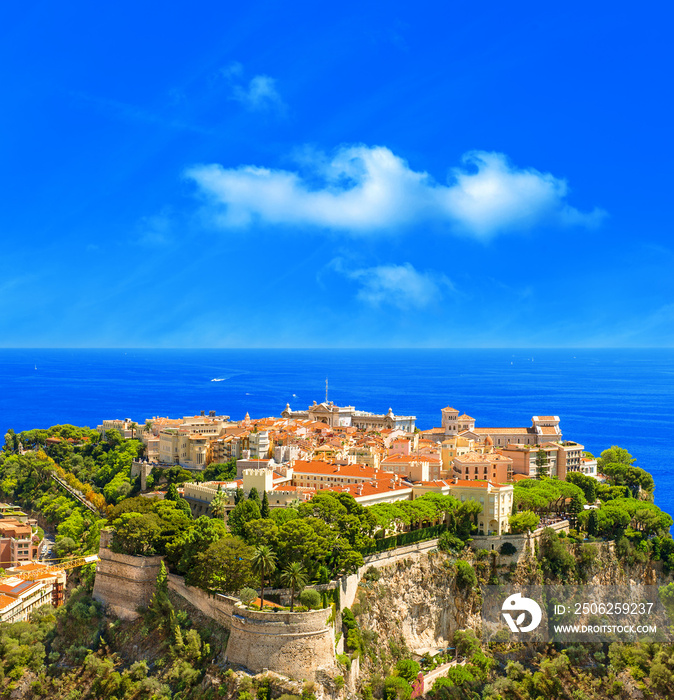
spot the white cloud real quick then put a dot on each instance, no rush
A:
(258, 94)
(401, 286)
(369, 189)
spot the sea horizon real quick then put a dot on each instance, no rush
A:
(603, 397)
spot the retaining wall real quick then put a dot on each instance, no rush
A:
(218, 607)
(348, 585)
(524, 543)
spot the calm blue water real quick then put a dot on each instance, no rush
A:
(603, 397)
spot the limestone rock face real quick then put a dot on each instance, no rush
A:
(417, 601)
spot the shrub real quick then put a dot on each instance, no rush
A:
(339, 682)
(466, 643)
(344, 660)
(450, 543)
(481, 554)
(353, 640)
(311, 598)
(465, 575)
(507, 548)
(247, 595)
(556, 560)
(408, 669)
(372, 574)
(397, 688)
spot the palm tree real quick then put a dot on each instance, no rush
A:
(134, 427)
(219, 505)
(263, 564)
(294, 578)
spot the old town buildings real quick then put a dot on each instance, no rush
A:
(377, 458)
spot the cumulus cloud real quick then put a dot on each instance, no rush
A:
(369, 189)
(401, 286)
(258, 94)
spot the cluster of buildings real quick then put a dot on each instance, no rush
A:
(378, 458)
(26, 585)
(19, 541)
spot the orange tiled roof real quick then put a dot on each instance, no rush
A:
(467, 483)
(371, 488)
(397, 459)
(474, 457)
(6, 600)
(362, 470)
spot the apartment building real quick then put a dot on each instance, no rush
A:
(475, 466)
(18, 598)
(16, 542)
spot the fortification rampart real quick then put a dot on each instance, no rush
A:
(124, 583)
(218, 607)
(300, 645)
(297, 644)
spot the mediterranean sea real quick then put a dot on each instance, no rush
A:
(603, 397)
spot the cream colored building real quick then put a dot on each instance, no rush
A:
(496, 500)
(279, 489)
(336, 416)
(364, 454)
(259, 445)
(189, 450)
(543, 429)
(414, 467)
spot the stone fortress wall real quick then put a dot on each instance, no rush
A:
(124, 583)
(300, 645)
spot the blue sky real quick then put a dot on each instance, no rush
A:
(426, 174)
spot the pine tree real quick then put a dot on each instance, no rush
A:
(178, 643)
(264, 509)
(592, 523)
(160, 610)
